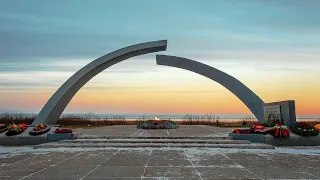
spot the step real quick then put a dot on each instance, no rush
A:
(152, 137)
(153, 145)
(181, 141)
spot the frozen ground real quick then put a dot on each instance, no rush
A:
(158, 163)
(163, 163)
(132, 131)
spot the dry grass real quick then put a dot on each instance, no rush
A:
(17, 118)
(212, 120)
(311, 122)
(87, 119)
(93, 120)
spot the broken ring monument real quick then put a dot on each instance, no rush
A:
(283, 111)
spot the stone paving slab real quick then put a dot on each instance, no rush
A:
(171, 172)
(132, 131)
(222, 141)
(12, 158)
(118, 171)
(221, 137)
(154, 145)
(189, 163)
(226, 173)
(25, 138)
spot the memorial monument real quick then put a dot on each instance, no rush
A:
(282, 111)
(248, 97)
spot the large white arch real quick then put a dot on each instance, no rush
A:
(248, 97)
(53, 109)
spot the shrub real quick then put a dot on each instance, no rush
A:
(244, 123)
(217, 122)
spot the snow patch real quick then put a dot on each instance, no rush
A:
(194, 154)
(285, 150)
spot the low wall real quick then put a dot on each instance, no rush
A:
(26, 139)
(293, 140)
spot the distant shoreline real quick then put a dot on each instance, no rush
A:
(162, 116)
(221, 120)
(103, 120)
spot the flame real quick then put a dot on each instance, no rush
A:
(156, 118)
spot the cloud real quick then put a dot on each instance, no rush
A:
(53, 74)
(92, 30)
(54, 41)
(23, 46)
(134, 65)
(181, 91)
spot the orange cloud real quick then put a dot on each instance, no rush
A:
(160, 98)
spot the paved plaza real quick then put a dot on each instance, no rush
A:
(157, 163)
(146, 164)
(132, 131)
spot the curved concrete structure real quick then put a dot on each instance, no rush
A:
(53, 109)
(249, 98)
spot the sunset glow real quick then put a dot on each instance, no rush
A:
(272, 47)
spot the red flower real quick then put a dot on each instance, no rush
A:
(258, 127)
(63, 130)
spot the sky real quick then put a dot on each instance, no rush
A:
(273, 47)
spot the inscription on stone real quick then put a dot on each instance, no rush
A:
(272, 112)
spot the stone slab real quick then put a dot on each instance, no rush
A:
(287, 111)
(293, 140)
(171, 126)
(26, 139)
(127, 131)
(151, 145)
(55, 137)
(126, 172)
(171, 172)
(225, 173)
(155, 137)
(159, 164)
(254, 138)
(147, 140)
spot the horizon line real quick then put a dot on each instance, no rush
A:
(160, 114)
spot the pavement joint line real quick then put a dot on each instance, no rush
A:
(89, 173)
(289, 166)
(134, 133)
(290, 179)
(310, 174)
(192, 165)
(238, 164)
(145, 167)
(156, 177)
(50, 166)
(97, 166)
(142, 132)
(210, 166)
(305, 172)
(15, 162)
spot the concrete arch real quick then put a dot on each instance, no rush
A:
(248, 97)
(53, 109)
